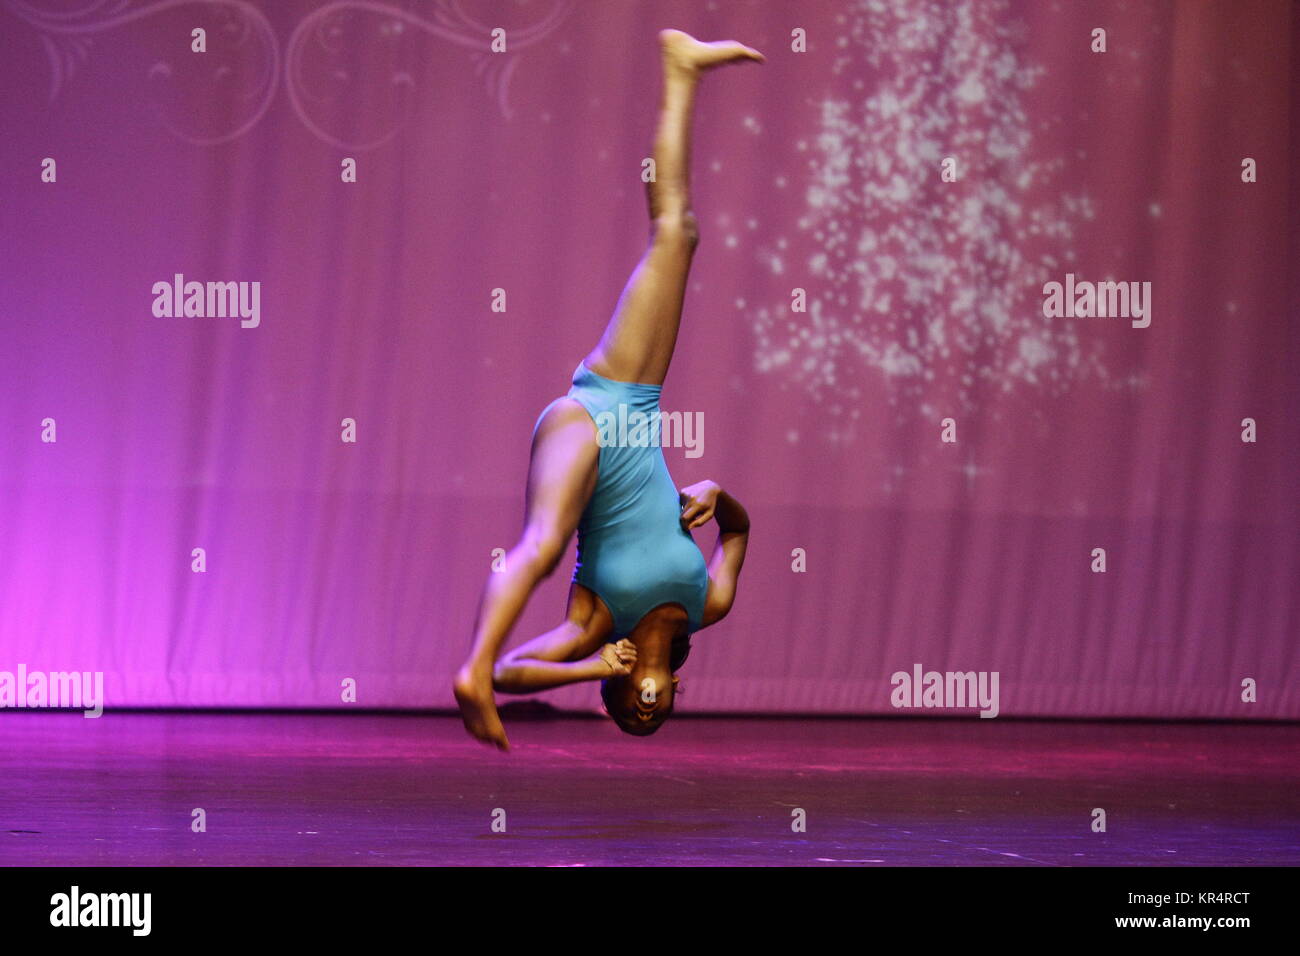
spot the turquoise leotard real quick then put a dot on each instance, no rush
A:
(632, 550)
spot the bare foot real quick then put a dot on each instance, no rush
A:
(477, 707)
(682, 51)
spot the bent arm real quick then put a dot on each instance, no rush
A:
(728, 557)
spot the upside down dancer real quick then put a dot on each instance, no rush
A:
(641, 587)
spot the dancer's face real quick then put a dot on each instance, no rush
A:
(641, 701)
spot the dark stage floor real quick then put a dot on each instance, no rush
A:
(361, 789)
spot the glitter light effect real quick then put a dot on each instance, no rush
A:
(935, 286)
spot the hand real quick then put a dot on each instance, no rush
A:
(698, 503)
(619, 656)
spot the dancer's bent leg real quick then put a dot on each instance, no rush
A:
(561, 476)
(574, 651)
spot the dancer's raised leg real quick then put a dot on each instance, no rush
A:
(638, 342)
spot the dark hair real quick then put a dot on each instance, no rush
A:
(633, 726)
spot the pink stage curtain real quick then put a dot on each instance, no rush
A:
(818, 181)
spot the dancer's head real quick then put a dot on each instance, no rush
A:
(641, 701)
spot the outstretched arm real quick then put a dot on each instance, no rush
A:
(700, 503)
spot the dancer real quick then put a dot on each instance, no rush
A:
(641, 586)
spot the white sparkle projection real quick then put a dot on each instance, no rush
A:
(936, 286)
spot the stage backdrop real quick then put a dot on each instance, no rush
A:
(936, 470)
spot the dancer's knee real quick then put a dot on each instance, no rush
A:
(677, 229)
(541, 549)
(503, 674)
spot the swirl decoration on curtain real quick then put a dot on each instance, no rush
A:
(67, 36)
(449, 22)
